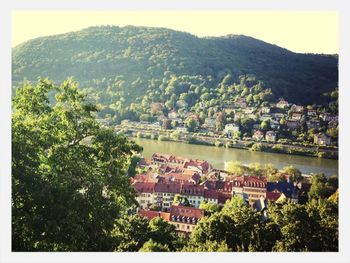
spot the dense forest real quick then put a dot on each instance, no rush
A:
(125, 69)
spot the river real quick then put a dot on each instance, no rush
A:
(217, 156)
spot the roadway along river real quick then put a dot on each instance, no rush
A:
(217, 156)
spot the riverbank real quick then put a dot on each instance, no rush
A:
(218, 156)
(290, 149)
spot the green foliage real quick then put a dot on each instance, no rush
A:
(208, 246)
(294, 173)
(192, 125)
(209, 208)
(69, 174)
(151, 246)
(321, 187)
(310, 227)
(124, 65)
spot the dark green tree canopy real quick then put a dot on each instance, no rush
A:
(69, 180)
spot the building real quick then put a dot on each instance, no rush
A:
(185, 218)
(322, 139)
(282, 104)
(185, 177)
(210, 124)
(182, 129)
(296, 116)
(252, 186)
(164, 194)
(193, 193)
(297, 108)
(258, 135)
(270, 136)
(230, 129)
(173, 115)
(293, 124)
(145, 193)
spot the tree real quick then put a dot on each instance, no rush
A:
(69, 174)
(166, 124)
(208, 246)
(220, 121)
(151, 246)
(294, 173)
(192, 125)
(237, 224)
(321, 187)
(162, 232)
(209, 208)
(130, 233)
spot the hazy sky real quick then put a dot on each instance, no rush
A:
(306, 32)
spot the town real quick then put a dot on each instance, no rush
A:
(176, 188)
(279, 127)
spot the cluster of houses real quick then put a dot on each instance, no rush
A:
(169, 177)
(294, 117)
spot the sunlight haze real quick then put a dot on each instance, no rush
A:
(303, 32)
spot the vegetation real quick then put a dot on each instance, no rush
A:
(69, 174)
(130, 70)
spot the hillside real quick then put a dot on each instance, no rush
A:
(121, 65)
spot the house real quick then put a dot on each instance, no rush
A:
(265, 110)
(258, 135)
(293, 124)
(282, 104)
(311, 113)
(256, 126)
(182, 129)
(296, 116)
(270, 136)
(297, 108)
(173, 115)
(322, 139)
(164, 194)
(278, 116)
(185, 218)
(188, 176)
(275, 125)
(287, 188)
(252, 186)
(211, 196)
(145, 193)
(210, 124)
(202, 167)
(194, 193)
(265, 117)
(311, 124)
(230, 129)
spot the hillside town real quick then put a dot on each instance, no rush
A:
(174, 188)
(275, 127)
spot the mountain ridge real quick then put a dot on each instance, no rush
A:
(147, 53)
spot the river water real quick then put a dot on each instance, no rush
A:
(217, 156)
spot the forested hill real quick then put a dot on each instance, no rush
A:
(137, 58)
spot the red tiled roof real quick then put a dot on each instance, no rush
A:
(152, 214)
(143, 187)
(273, 196)
(186, 211)
(213, 194)
(223, 197)
(192, 189)
(167, 188)
(249, 181)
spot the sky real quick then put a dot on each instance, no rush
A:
(302, 32)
